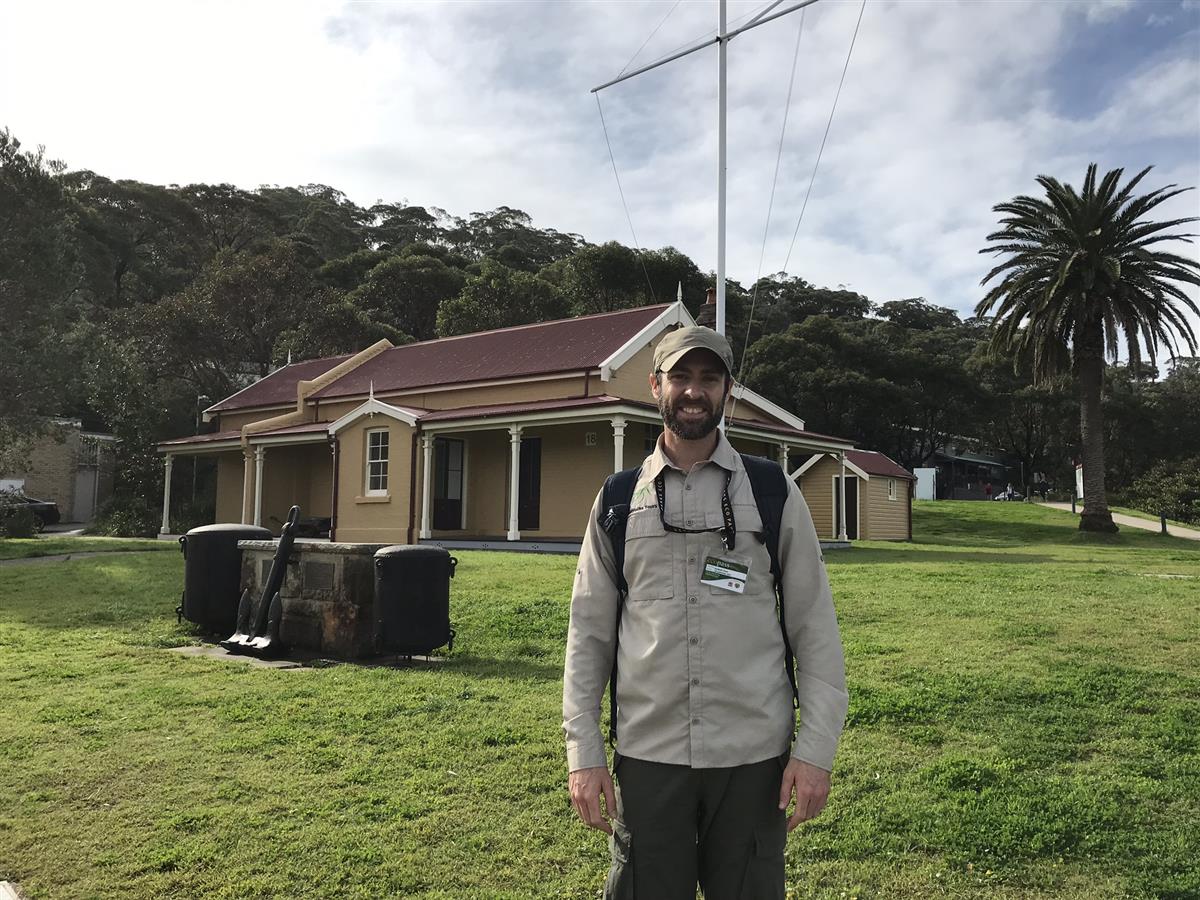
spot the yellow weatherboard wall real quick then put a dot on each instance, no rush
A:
(369, 519)
(229, 486)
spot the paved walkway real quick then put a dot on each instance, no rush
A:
(1134, 522)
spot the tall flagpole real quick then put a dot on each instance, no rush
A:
(722, 44)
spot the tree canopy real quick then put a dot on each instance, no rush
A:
(126, 303)
(1081, 276)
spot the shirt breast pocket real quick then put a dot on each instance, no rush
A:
(750, 550)
(649, 565)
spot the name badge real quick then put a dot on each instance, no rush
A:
(725, 574)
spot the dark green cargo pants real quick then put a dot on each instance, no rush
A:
(678, 826)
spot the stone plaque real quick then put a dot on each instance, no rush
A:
(318, 576)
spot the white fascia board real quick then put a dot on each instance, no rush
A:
(816, 459)
(199, 449)
(675, 314)
(556, 417)
(814, 445)
(744, 393)
(374, 408)
(857, 471)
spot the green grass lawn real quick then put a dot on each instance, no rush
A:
(56, 545)
(1024, 722)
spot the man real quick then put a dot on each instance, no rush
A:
(705, 708)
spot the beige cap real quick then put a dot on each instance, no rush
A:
(679, 342)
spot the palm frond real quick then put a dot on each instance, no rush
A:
(1076, 263)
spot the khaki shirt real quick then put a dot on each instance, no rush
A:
(701, 679)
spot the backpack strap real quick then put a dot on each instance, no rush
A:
(614, 514)
(769, 484)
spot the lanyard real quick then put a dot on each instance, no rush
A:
(728, 531)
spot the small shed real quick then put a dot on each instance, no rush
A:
(878, 495)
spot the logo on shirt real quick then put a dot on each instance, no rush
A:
(643, 497)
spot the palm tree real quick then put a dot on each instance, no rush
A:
(1081, 274)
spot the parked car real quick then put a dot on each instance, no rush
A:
(45, 512)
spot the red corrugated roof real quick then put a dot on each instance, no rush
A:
(280, 386)
(529, 406)
(566, 345)
(307, 427)
(875, 463)
(203, 438)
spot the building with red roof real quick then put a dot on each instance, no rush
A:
(497, 438)
(875, 491)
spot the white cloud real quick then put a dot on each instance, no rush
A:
(947, 109)
(1099, 11)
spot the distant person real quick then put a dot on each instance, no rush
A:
(1008, 492)
(706, 756)
(987, 491)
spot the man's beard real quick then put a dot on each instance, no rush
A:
(691, 430)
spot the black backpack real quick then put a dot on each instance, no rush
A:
(769, 484)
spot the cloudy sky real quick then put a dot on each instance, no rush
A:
(947, 109)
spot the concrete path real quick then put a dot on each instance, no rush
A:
(1134, 522)
(71, 528)
(8, 891)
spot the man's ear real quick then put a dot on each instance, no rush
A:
(655, 385)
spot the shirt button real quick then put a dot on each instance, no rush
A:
(691, 559)
(695, 681)
(695, 721)
(691, 599)
(694, 640)
(687, 487)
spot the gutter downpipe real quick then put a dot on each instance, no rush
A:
(337, 454)
(412, 482)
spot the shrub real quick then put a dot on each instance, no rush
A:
(187, 515)
(17, 522)
(1171, 489)
(126, 517)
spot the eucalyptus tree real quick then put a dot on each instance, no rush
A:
(1081, 275)
(36, 262)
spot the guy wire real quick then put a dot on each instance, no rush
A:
(621, 191)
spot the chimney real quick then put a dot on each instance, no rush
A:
(708, 312)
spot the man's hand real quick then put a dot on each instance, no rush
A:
(811, 785)
(586, 786)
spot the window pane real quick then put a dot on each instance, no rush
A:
(377, 460)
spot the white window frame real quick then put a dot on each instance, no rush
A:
(893, 493)
(384, 459)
